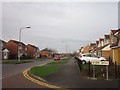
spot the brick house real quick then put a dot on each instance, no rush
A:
(43, 54)
(85, 49)
(99, 45)
(101, 42)
(102, 47)
(13, 46)
(47, 53)
(115, 46)
(88, 48)
(4, 52)
(106, 49)
(92, 46)
(33, 51)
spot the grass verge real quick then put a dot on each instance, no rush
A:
(16, 62)
(68, 58)
(42, 71)
(37, 59)
(58, 62)
(23, 61)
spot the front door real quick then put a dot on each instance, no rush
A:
(5, 55)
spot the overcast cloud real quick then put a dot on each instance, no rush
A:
(77, 23)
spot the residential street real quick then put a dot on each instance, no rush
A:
(67, 77)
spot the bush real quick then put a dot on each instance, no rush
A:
(26, 56)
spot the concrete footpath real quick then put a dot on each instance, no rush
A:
(69, 77)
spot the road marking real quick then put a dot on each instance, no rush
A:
(40, 82)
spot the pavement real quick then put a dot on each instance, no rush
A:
(70, 77)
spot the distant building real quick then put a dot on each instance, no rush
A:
(43, 54)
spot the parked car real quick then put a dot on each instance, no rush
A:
(85, 58)
(56, 58)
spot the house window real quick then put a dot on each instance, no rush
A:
(26, 48)
(112, 37)
(19, 47)
(1, 44)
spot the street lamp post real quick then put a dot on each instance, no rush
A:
(19, 47)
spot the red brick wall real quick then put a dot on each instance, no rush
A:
(31, 51)
(13, 48)
(106, 54)
(86, 49)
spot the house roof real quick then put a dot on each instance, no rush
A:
(2, 41)
(101, 39)
(99, 48)
(106, 36)
(33, 46)
(5, 50)
(114, 31)
(97, 42)
(17, 42)
(92, 44)
(81, 47)
(43, 52)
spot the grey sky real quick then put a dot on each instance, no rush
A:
(77, 23)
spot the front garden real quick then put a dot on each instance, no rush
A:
(100, 72)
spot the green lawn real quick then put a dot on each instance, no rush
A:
(42, 71)
(58, 62)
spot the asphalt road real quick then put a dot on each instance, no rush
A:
(13, 69)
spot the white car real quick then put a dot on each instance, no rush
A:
(85, 58)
